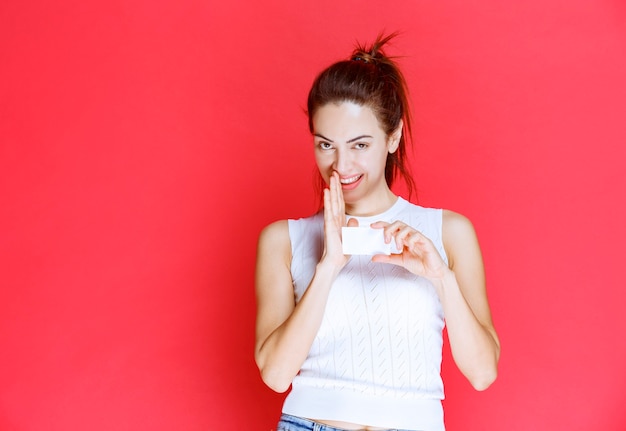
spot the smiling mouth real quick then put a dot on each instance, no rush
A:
(350, 180)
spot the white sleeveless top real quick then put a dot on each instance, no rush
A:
(376, 359)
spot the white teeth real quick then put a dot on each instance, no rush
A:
(350, 180)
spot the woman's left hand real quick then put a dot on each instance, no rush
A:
(460, 287)
(418, 255)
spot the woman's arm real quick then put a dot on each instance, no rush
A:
(473, 339)
(461, 289)
(285, 330)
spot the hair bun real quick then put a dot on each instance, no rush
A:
(374, 53)
(365, 57)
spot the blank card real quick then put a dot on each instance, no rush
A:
(365, 241)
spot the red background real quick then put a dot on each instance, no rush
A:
(145, 144)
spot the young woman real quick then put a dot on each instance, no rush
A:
(359, 338)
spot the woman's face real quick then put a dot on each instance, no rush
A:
(348, 140)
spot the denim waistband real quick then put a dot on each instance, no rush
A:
(294, 423)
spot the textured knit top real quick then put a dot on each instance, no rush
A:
(376, 359)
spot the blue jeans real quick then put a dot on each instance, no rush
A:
(293, 423)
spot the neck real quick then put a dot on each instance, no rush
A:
(373, 205)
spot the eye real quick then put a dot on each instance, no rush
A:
(360, 145)
(325, 145)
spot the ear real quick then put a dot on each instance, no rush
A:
(394, 139)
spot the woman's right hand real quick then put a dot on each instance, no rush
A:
(334, 220)
(286, 329)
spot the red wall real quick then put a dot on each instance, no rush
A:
(143, 145)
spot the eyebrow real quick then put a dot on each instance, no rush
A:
(349, 142)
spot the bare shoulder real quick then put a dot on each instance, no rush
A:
(274, 243)
(275, 233)
(459, 236)
(456, 223)
(274, 248)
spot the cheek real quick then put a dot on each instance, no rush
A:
(322, 167)
(322, 160)
(375, 162)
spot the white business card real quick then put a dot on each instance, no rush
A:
(365, 241)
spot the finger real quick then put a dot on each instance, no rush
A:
(327, 206)
(388, 229)
(329, 212)
(414, 240)
(341, 205)
(379, 225)
(335, 194)
(352, 222)
(403, 235)
(332, 206)
(394, 231)
(339, 198)
(394, 259)
(418, 239)
(331, 193)
(393, 228)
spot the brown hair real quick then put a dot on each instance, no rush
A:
(373, 79)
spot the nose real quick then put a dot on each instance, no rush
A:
(342, 162)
